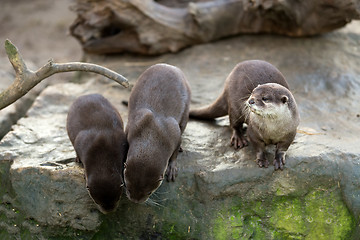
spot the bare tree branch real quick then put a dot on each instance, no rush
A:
(26, 79)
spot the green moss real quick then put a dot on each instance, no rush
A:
(173, 231)
(228, 225)
(238, 224)
(327, 216)
(4, 179)
(321, 214)
(287, 216)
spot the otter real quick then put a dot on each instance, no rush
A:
(256, 93)
(158, 114)
(96, 131)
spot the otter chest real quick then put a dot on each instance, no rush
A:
(272, 130)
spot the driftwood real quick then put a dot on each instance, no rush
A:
(26, 79)
(155, 27)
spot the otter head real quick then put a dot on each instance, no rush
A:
(141, 179)
(105, 192)
(270, 101)
(103, 170)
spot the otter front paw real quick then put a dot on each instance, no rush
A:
(77, 160)
(238, 141)
(171, 172)
(279, 163)
(263, 163)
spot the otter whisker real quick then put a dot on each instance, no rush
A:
(160, 193)
(245, 114)
(246, 110)
(152, 202)
(243, 99)
(159, 198)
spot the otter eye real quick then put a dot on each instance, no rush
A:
(265, 99)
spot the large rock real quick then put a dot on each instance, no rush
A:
(220, 193)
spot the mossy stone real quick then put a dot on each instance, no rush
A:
(320, 214)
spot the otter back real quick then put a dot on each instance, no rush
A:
(158, 114)
(95, 129)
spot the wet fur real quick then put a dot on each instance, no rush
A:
(158, 114)
(95, 129)
(239, 85)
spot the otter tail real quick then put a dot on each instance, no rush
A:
(217, 109)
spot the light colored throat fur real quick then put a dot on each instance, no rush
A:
(274, 120)
(271, 111)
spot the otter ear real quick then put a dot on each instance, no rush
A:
(284, 99)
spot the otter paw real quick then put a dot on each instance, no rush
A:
(279, 164)
(263, 163)
(171, 172)
(77, 159)
(238, 142)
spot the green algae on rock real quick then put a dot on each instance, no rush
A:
(320, 214)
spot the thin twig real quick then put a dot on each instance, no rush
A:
(26, 79)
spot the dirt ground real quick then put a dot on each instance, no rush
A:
(40, 31)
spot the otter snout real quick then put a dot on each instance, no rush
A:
(136, 197)
(251, 101)
(253, 106)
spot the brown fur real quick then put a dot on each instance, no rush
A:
(239, 85)
(273, 119)
(95, 129)
(158, 114)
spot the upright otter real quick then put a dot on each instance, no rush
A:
(256, 93)
(96, 131)
(158, 114)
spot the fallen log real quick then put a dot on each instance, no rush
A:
(155, 27)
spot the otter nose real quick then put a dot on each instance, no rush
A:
(251, 101)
